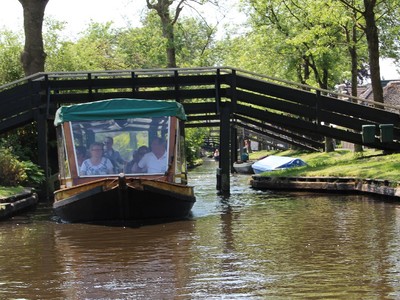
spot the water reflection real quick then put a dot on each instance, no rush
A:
(250, 245)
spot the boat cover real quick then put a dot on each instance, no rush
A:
(273, 162)
(120, 108)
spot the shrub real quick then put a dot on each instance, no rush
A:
(14, 172)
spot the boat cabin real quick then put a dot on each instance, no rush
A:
(119, 134)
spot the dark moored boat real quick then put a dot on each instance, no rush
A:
(122, 195)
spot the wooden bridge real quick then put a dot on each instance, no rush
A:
(223, 97)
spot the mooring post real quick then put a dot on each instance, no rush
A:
(234, 147)
(223, 182)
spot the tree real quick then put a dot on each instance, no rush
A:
(309, 40)
(306, 40)
(367, 9)
(169, 12)
(33, 57)
(168, 20)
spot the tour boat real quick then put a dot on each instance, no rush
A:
(102, 190)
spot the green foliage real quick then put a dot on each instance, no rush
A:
(194, 41)
(14, 172)
(194, 140)
(34, 174)
(143, 47)
(22, 141)
(11, 170)
(6, 191)
(10, 50)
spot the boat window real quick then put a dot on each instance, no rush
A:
(63, 161)
(110, 147)
(180, 162)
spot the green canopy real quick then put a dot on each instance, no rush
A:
(121, 108)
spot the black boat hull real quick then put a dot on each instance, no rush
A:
(126, 204)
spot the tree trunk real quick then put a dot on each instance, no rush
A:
(167, 23)
(168, 32)
(33, 57)
(371, 31)
(354, 71)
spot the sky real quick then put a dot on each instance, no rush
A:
(77, 13)
(123, 13)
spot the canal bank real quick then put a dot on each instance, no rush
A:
(328, 184)
(12, 205)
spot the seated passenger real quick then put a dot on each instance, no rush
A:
(97, 164)
(132, 166)
(81, 154)
(113, 155)
(155, 161)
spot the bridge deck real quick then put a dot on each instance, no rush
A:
(294, 114)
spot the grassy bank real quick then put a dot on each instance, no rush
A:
(371, 164)
(7, 191)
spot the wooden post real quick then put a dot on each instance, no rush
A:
(41, 125)
(234, 147)
(224, 156)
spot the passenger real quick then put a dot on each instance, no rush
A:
(216, 155)
(156, 160)
(113, 155)
(81, 154)
(97, 164)
(132, 166)
(245, 155)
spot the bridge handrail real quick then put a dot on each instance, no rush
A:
(303, 87)
(42, 76)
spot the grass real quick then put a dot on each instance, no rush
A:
(7, 191)
(370, 164)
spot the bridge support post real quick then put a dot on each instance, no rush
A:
(43, 161)
(234, 147)
(223, 179)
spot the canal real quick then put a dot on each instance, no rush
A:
(250, 245)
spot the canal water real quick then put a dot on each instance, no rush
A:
(250, 245)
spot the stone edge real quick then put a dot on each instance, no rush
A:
(328, 184)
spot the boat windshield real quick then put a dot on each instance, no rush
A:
(130, 146)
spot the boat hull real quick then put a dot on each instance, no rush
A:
(243, 167)
(127, 202)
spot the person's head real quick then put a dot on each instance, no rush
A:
(108, 142)
(158, 146)
(80, 152)
(96, 150)
(140, 152)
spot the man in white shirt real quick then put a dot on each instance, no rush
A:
(155, 161)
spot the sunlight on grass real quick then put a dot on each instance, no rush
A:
(6, 191)
(340, 163)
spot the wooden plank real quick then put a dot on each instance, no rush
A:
(315, 140)
(157, 94)
(358, 111)
(275, 90)
(277, 104)
(129, 82)
(16, 121)
(297, 141)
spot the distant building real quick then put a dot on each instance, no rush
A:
(391, 94)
